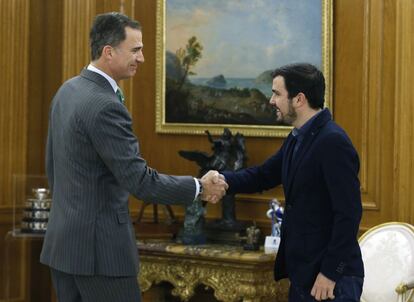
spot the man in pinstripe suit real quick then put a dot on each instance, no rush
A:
(93, 164)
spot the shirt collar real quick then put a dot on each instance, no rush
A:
(299, 133)
(110, 80)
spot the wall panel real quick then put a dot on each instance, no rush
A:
(77, 18)
(404, 113)
(46, 42)
(14, 86)
(365, 79)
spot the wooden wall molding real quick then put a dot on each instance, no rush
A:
(77, 19)
(371, 103)
(386, 133)
(404, 113)
(14, 31)
(14, 62)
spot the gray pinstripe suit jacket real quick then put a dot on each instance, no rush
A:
(93, 164)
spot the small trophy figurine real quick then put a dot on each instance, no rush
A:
(276, 214)
(252, 238)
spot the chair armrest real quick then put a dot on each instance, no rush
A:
(405, 286)
(410, 284)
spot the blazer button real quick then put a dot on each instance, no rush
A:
(288, 207)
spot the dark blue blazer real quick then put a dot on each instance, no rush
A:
(323, 203)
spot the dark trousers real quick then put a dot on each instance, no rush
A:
(347, 289)
(75, 288)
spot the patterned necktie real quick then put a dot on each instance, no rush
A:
(120, 95)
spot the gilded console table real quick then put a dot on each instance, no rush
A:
(233, 274)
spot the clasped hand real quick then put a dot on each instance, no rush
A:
(214, 186)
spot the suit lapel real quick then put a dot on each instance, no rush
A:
(304, 147)
(286, 159)
(309, 138)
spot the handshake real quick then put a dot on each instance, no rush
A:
(214, 186)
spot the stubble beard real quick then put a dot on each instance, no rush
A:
(289, 118)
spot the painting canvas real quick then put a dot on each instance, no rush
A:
(215, 59)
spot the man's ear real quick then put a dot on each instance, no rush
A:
(107, 51)
(301, 99)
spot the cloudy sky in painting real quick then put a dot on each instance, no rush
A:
(243, 38)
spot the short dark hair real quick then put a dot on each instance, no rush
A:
(109, 29)
(305, 78)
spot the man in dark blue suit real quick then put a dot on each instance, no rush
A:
(318, 167)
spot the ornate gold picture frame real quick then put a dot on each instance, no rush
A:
(214, 60)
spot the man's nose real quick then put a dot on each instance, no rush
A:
(140, 58)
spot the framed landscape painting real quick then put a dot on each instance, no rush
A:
(215, 59)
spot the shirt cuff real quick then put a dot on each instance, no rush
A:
(197, 188)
